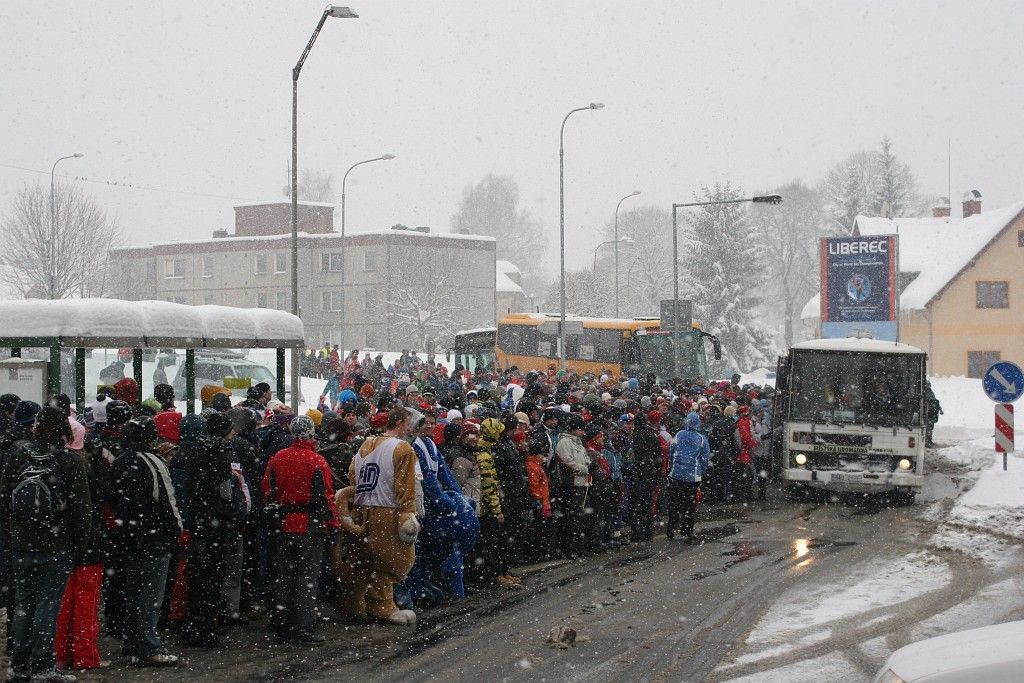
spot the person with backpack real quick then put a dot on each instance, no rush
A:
(215, 528)
(44, 521)
(150, 524)
(688, 461)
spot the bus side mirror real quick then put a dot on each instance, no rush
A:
(716, 345)
(448, 356)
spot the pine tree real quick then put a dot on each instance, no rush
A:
(725, 262)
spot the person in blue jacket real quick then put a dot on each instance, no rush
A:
(688, 461)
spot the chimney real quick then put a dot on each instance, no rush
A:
(972, 203)
(941, 210)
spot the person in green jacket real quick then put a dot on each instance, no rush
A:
(45, 515)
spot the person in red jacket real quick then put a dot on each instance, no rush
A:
(745, 458)
(299, 496)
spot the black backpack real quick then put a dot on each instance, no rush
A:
(39, 496)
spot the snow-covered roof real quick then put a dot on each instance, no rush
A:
(288, 202)
(856, 344)
(937, 249)
(303, 236)
(113, 322)
(502, 281)
(478, 330)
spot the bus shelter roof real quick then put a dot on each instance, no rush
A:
(114, 323)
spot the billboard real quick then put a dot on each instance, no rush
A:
(858, 287)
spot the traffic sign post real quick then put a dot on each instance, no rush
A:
(1004, 384)
(1004, 430)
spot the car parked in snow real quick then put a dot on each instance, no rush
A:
(992, 654)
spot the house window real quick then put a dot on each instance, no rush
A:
(280, 263)
(177, 299)
(369, 260)
(330, 301)
(174, 269)
(150, 270)
(207, 266)
(282, 301)
(330, 263)
(1020, 238)
(261, 300)
(980, 361)
(261, 264)
(992, 294)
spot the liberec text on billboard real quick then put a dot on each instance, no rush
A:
(859, 287)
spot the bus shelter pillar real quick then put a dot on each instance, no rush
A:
(80, 381)
(280, 376)
(190, 381)
(137, 372)
(53, 372)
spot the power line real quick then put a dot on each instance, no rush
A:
(130, 186)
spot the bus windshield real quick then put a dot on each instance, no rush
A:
(877, 389)
(657, 355)
(475, 350)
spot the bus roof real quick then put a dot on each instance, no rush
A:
(857, 345)
(478, 330)
(593, 323)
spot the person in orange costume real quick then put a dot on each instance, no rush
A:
(377, 548)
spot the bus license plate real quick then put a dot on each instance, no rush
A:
(836, 477)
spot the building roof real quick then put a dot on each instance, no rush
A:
(502, 281)
(286, 202)
(936, 249)
(233, 239)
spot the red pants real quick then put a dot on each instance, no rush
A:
(78, 626)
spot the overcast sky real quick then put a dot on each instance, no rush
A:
(192, 98)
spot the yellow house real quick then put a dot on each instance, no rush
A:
(961, 285)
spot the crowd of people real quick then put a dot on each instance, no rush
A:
(406, 487)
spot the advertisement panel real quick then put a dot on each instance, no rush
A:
(858, 287)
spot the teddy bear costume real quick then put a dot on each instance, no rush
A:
(377, 548)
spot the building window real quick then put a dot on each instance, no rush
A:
(207, 266)
(261, 299)
(280, 263)
(330, 301)
(980, 361)
(369, 260)
(371, 300)
(370, 339)
(1020, 238)
(282, 301)
(209, 299)
(992, 294)
(330, 263)
(177, 299)
(174, 269)
(150, 270)
(261, 264)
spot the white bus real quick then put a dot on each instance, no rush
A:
(852, 417)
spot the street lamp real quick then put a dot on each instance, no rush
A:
(631, 194)
(616, 242)
(52, 256)
(561, 229)
(344, 179)
(761, 199)
(337, 13)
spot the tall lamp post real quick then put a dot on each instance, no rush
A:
(762, 199)
(561, 229)
(337, 13)
(52, 256)
(631, 194)
(344, 180)
(616, 242)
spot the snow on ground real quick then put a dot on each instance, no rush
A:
(827, 668)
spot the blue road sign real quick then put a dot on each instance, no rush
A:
(1004, 382)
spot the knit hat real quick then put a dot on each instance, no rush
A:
(221, 402)
(168, 425)
(303, 428)
(469, 428)
(9, 402)
(218, 424)
(208, 391)
(315, 415)
(380, 420)
(367, 391)
(25, 412)
(730, 411)
(127, 390)
(454, 415)
(523, 419)
(152, 404)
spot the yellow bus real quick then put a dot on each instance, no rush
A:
(621, 347)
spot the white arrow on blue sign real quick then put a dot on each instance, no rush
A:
(1004, 382)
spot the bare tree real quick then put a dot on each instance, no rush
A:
(789, 236)
(587, 293)
(425, 300)
(491, 207)
(645, 266)
(83, 235)
(315, 186)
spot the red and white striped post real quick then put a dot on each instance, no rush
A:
(1004, 430)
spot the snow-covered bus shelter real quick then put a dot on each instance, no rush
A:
(82, 324)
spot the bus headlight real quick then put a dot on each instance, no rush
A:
(904, 464)
(800, 459)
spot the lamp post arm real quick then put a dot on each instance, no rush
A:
(309, 45)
